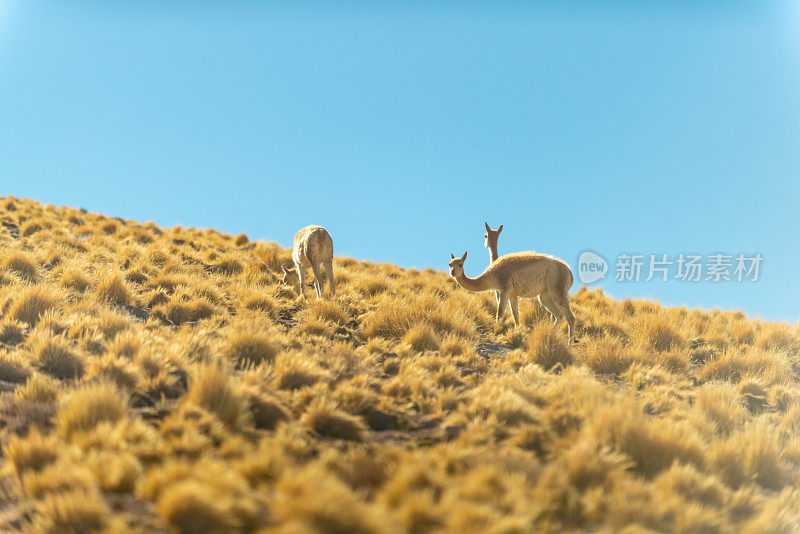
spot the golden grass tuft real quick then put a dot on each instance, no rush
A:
(32, 453)
(754, 454)
(549, 348)
(266, 412)
(23, 266)
(293, 372)
(182, 312)
(89, 406)
(421, 337)
(330, 422)
(214, 391)
(14, 368)
(248, 347)
(608, 357)
(73, 512)
(55, 356)
(11, 332)
(113, 289)
(193, 507)
(653, 447)
(661, 335)
(30, 303)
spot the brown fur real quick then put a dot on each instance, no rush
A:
(523, 275)
(313, 247)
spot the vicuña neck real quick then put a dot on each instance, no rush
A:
(493, 252)
(481, 283)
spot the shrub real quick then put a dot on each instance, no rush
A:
(294, 372)
(74, 511)
(32, 302)
(241, 240)
(548, 348)
(652, 445)
(38, 389)
(421, 337)
(753, 453)
(114, 369)
(244, 347)
(23, 266)
(179, 313)
(30, 228)
(229, 266)
(89, 406)
(54, 356)
(11, 332)
(608, 357)
(265, 412)
(32, 453)
(112, 288)
(214, 391)
(330, 422)
(13, 368)
(661, 335)
(190, 506)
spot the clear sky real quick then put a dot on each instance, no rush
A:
(640, 127)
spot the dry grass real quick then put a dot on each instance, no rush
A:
(31, 302)
(548, 348)
(214, 401)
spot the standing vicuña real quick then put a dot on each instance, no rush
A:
(313, 247)
(490, 241)
(525, 275)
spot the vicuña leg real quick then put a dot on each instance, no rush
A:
(514, 301)
(329, 274)
(501, 306)
(300, 277)
(552, 308)
(317, 279)
(562, 299)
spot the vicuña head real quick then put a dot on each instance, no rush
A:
(457, 265)
(490, 239)
(290, 277)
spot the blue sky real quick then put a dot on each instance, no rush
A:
(618, 127)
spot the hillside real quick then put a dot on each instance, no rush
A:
(163, 380)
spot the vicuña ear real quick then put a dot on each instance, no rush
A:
(486, 225)
(452, 257)
(464, 257)
(500, 229)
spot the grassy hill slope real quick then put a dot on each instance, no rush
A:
(162, 380)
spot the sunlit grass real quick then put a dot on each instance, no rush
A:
(163, 379)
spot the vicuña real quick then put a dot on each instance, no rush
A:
(522, 275)
(313, 247)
